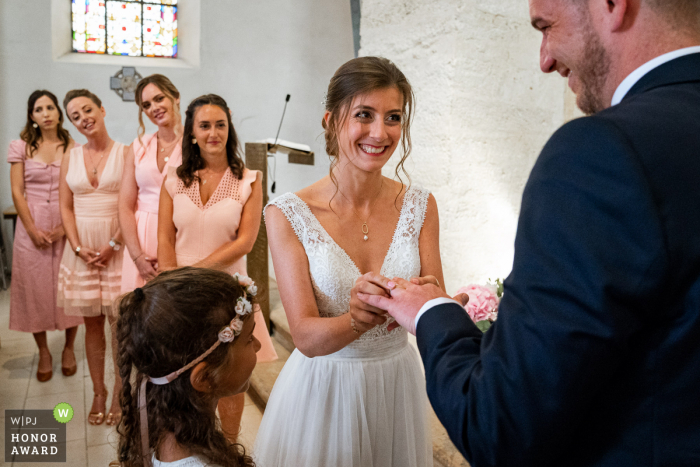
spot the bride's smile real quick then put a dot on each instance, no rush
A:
(371, 130)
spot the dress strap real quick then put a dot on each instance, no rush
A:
(411, 219)
(299, 216)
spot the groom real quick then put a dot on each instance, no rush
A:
(595, 357)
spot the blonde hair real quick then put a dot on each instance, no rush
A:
(166, 86)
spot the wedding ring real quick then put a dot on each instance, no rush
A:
(97, 254)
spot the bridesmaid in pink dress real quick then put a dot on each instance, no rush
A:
(145, 167)
(210, 211)
(39, 236)
(90, 276)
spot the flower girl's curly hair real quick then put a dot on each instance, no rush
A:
(162, 327)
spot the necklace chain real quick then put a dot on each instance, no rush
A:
(92, 162)
(365, 227)
(163, 148)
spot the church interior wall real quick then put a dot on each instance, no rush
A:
(483, 112)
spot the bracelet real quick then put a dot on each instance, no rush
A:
(134, 259)
(354, 329)
(77, 250)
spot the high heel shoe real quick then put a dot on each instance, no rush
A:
(97, 418)
(113, 418)
(44, 376)
(69, 370)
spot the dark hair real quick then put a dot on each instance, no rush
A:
(359, 76)
(31, 135)
(191, 158)
(70, 95)
(165, 85)
(162, 327)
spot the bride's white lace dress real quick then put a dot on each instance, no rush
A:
(365, 405)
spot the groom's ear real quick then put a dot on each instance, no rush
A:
(611, 15)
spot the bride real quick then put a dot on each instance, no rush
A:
(352, 393)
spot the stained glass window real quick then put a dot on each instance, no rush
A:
(138, 28)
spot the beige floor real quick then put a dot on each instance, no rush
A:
(19, 389)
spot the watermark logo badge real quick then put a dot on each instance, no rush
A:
(36, 435)
(63, 412)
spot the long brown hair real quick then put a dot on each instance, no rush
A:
(191, 157)
(32, 136)
(359, 76)
(166, 86)
(162, 327)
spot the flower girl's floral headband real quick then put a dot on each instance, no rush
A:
(226, 334)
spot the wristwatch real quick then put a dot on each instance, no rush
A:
(77, 250)
(114, 244)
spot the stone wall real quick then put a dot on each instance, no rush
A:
(484, 111)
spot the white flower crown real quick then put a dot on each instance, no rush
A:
(243, 308)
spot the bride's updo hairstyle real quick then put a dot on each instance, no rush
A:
(360, 76)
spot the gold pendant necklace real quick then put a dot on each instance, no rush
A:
(365, 227)
(92, 162)
(163, 148)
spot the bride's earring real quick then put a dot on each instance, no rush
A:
(35, 125)
(194, 140)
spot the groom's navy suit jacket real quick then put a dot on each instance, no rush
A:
(595, 357)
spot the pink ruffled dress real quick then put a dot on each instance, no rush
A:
(201, 229)
(149, 181)
(86, 290)
(33, 304)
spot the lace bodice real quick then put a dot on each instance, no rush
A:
(333, 273)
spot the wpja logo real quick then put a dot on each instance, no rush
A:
(36, 435)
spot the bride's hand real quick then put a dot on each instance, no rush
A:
(366, 316)
(425, 280)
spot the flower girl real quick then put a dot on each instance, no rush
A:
(185, 341)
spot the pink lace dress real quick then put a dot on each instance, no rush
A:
(86, 290)
(149, 181)
(33, 306)
(201, 229)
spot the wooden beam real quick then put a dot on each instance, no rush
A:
(257, 260)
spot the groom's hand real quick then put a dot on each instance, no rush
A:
(367, 316)
(406, 300)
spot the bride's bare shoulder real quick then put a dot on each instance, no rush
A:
(313, 194)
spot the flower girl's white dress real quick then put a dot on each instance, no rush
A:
(365, 405)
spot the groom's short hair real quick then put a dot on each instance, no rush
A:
(682, 14)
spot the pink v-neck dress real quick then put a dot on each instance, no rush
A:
(149, 181)
(201, 229)
(87, 290)
(33, 306)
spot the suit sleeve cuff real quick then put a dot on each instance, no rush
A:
(430, 304)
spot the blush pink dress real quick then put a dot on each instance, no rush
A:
(201, 229)
(86, 290)
(33, 306)
(149, 181)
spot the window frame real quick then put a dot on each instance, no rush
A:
(188, 50)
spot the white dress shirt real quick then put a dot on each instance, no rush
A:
(622, 90)
(634, 77)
